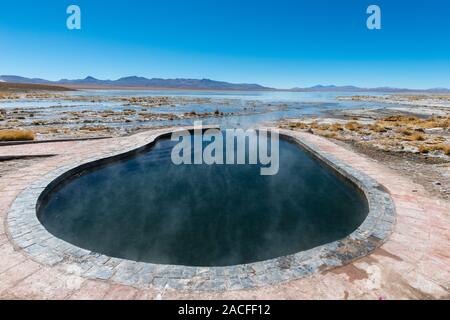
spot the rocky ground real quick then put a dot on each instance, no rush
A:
(432, 173)
(409, 140)
(425, 104)
(69, 117)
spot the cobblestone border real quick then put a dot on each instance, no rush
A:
(29, 235)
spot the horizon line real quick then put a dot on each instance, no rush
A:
(263, 87)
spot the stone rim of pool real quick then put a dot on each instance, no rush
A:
(30, 235)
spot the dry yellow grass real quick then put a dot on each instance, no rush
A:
(393, 133)
(298, 125)
(314, 125)
(9, 96)
(425, 149)
(400, 119)
(336, 127)
(445, 148)
(387, 124)
(406, 131)
(417, 137)
(353, 126)
(16, 135)
(330, 135)
(436, 140)
(435, 122)
(324, 127)
(415, 123)
(378, 128)
(94, 129)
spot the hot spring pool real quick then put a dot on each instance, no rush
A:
(144, 208)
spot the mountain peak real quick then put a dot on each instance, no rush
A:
(89, 78)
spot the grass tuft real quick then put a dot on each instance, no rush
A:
(417, 137)
(352, 126)
(445, 148)
(378, 128)
(17, 135)
(298, 125)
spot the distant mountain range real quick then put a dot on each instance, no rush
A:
(207, 84)
(141, 82)
(332, 88)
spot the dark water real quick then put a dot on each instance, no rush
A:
(147, 209)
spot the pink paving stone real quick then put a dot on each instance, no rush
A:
(386, 261)
(3, 238)
(413, 222)
(442, 215)
(10, 195)
(439, 222)
(119, 292)
(425, 285)
(338, 287)
(46, 284)
(407, 204)
(387, 282)
(10, 278)
(441, 260)
(435, 272)
(412, 242)
(91, 290)
(403, 251)
(9, 257)
(308, 288)
(413, 231)
(146, 295)
(440, 238)
(418, 247)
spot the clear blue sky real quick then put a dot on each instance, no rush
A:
(277, 43)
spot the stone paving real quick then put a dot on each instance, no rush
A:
(414, 263)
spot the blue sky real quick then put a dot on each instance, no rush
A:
(278, 43)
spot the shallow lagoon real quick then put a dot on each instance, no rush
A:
(242, 109)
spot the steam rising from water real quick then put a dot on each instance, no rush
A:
(148, 209)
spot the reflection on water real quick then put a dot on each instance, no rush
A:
(242, 109)
(266, 96)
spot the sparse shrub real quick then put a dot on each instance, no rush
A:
(446, 149)
(16, 135)
(336, 127)
(298, 125)
(86, 128)
(406, 132)
(440, 147)
(424, 149)
(400, 119)
(39, 122)
(329, 135)
(314, 125)
(378, 128)
(323, 127)
(417, 137)
(352, 126)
